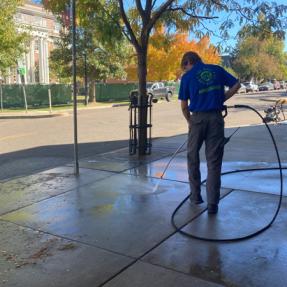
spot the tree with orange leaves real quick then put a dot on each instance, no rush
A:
(203, 47)
(165, 53)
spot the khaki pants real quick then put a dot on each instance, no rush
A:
(206, 127)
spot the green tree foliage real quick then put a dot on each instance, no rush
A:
(264, 28)
(103, 46)
(102, 61)
(260, 53)
(12, 42)
(260, 59)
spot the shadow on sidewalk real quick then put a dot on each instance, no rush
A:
(29, 161)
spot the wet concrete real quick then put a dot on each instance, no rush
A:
(118, 206)
(24, 191)
(142, 275)
(248, 210)
(111, 226)
(119, 161)
(245, 180)
(260, 261)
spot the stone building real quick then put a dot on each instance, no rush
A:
(44, 29)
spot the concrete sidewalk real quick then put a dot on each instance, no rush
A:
(111, 225)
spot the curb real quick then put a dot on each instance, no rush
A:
(120, 105)
(32, 116)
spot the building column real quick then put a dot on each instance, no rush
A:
(28, 68)
(25, 65)
(41, 61)
(46, 60)
(32, 61)
(9, 80)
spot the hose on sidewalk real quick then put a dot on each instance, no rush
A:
(255, 233)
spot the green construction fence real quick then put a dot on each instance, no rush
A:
(37, 95)
(120, 92)
(114, 92)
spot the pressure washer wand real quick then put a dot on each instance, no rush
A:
(172, 157)
(226, 140)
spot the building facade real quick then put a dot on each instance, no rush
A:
(44, 30)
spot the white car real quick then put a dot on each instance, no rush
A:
(250, 87)
(242, 89)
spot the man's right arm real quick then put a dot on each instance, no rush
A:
(185, 110)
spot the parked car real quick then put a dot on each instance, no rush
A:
(158, 90)
(283, 85)
(242, 89)
(267, 86)
(250, 87)
(276, 84)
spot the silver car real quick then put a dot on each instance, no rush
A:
(242, 89)
(250, 87)
(267, 86)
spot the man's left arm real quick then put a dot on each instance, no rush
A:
(230, 81)
(233, 90)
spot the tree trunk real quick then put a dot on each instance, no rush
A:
(143, 100)
(92, 91)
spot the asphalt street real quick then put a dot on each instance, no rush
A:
(32, 144)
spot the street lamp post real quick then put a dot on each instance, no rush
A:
(74, 58)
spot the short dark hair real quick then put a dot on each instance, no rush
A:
(190, 57)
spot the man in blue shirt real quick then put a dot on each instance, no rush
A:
(202, 97)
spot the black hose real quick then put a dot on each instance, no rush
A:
(280, 168)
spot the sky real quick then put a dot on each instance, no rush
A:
(231, 42)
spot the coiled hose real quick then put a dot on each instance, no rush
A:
(280, 168)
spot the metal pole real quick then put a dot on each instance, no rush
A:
(25, 97)
(1, 96)
(86, 79)
(50, 99)
(76, 154)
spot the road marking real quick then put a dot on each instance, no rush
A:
(15, 136)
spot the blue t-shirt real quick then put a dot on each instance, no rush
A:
(203, 86)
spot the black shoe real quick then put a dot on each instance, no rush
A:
(197, 200)
(212, 208)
